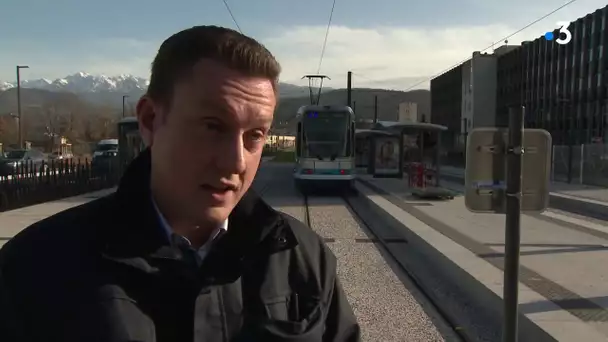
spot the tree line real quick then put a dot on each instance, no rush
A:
(82, 123)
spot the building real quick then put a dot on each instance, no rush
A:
(408, 112)
(562, 87)
(446, 102)
(465, 97)
(280, 141)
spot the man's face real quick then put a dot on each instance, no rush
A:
(207, 150)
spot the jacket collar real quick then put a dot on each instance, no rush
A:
(254, 227)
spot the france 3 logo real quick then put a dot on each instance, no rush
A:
(564, 37)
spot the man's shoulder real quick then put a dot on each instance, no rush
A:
(58, 232)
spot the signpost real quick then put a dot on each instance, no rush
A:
(508, 171)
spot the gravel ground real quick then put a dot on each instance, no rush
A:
(388, 306)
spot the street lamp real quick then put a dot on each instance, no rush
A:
(123, 104)
(18, 68)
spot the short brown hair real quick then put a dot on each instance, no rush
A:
(179, 53)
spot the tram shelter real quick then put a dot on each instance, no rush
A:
(417, 155)
(367, 142)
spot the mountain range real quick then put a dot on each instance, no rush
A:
(102, 88)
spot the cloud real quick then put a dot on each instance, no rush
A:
(395, 58)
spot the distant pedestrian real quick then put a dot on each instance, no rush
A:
(184, 250)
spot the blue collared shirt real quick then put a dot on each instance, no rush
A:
(204, 249)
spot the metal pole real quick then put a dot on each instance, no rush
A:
(19, 108)
(570, 153)
(123, 104)
(18, 68)
(512, 223)
(376, 109)
(349, 88)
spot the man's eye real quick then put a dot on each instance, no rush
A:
(257, 136)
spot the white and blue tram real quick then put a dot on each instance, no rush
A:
(325, 147)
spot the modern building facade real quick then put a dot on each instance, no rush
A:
(446, 103)
(563, 87)
(465, 97)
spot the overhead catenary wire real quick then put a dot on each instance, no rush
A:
(331, 14)
(426, 79)
(232, 16)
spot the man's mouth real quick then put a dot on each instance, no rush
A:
(219, 188)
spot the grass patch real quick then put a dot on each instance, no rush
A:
(285, 157)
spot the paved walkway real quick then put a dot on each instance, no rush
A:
(563, 281)
(14, 221)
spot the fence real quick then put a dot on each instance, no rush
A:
(29, 184)
(581, 164)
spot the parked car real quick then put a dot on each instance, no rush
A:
(13, 161)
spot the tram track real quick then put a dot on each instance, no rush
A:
(383, 243)
(306, 211)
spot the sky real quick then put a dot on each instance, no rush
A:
(391, 44)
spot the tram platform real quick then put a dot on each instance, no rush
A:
(563, 278)
(14, 221)
(578, 199)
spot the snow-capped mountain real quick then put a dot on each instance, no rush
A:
(109, 90)
(85, 83)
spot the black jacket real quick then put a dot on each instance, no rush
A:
(103, 271)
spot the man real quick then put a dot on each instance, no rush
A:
(183, 251)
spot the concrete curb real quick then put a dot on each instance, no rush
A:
(579, 206)
(427, 263)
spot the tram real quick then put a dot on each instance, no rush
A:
(130, 143)
(325, 148)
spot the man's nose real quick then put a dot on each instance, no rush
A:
(231, 157)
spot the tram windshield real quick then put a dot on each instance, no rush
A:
(325, 134)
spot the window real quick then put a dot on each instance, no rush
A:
(580, 84)
(599, 79)
(591, 55)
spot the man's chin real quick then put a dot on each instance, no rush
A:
(213, 215)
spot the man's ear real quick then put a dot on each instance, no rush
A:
(148, 119)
